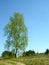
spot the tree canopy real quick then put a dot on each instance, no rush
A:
(16, 33)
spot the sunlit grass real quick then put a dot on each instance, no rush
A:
(36, 60)
(2, 64)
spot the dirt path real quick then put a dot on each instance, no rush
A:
(10, 62)
(18, 63)
(13, 63)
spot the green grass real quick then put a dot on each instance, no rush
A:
(30, 60)
(36, 60)
(12, 62)
(2, 64)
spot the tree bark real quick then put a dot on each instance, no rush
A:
(16, 55)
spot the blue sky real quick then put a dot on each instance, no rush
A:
(36, 18)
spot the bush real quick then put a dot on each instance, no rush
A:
(47, 51)
(7, 54)
(29, 53)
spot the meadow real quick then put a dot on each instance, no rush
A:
(28, 60)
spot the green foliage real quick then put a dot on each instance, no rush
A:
(2, 64)
(47, 51)
(7, 54)
(16, 33)
(29, 53)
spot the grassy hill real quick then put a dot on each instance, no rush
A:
(30, 60)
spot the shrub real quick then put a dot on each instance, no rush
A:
(7, 54)
(47, 51)
(29, 53)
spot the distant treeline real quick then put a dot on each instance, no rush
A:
(32, 52)
(10, 54)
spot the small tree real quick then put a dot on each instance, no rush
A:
(47, 51)
(5, 54)
(29, 53)
(16, 33)
(8, 54)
